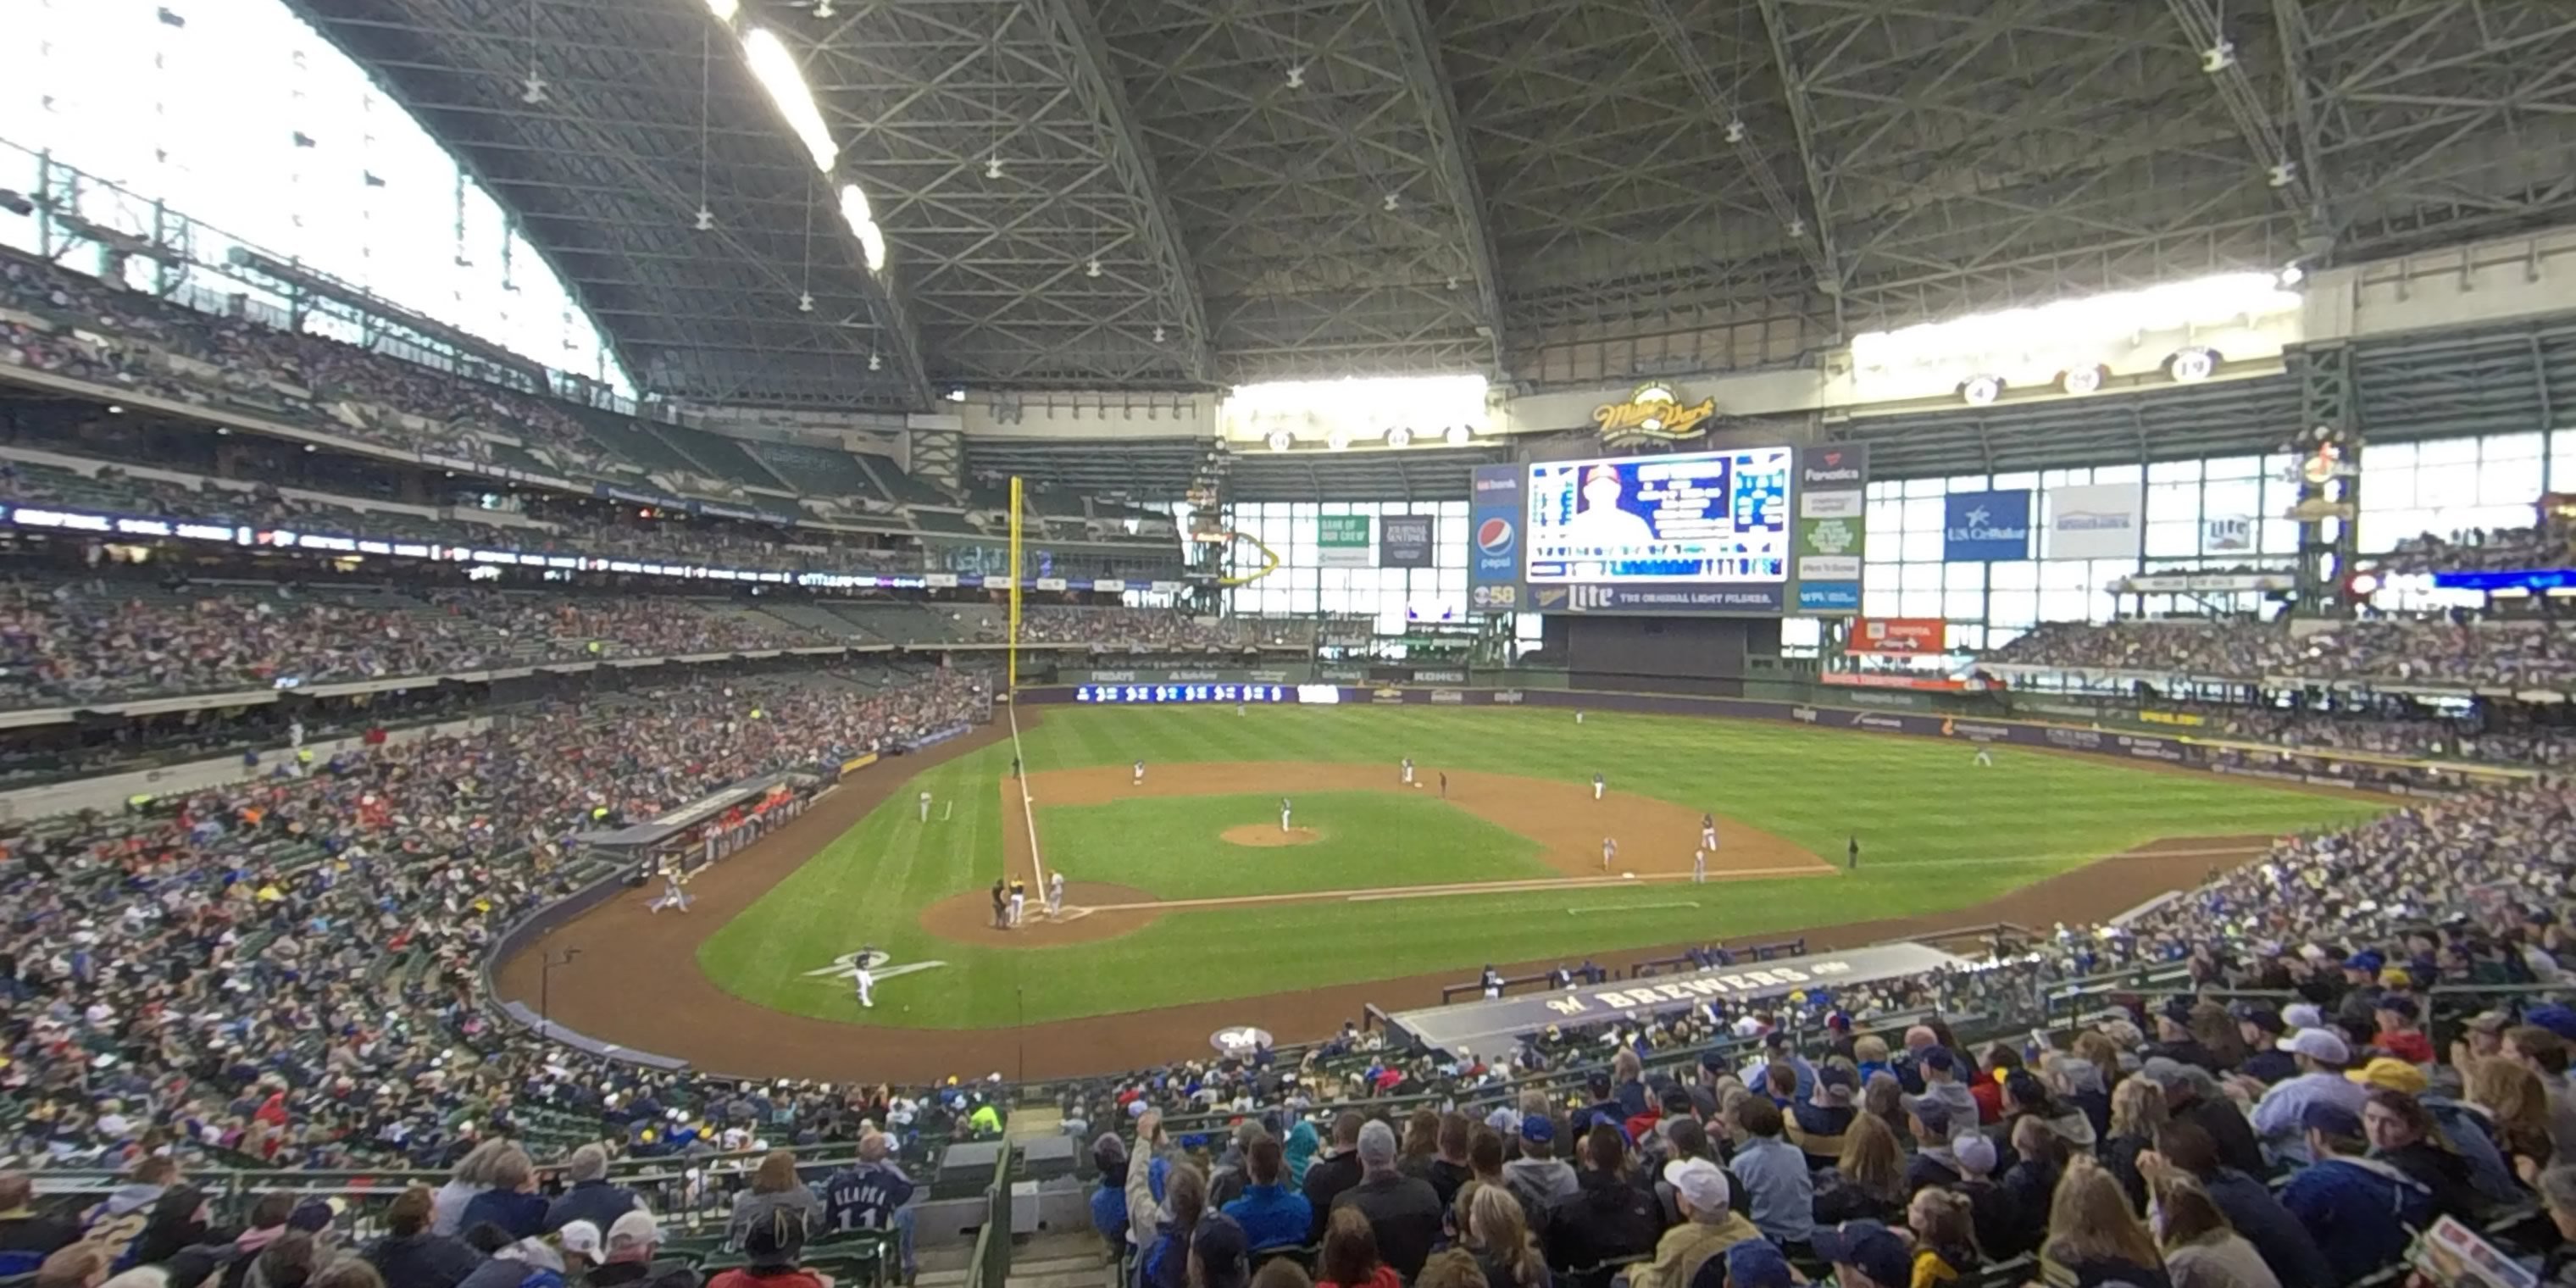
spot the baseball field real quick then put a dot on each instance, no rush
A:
(1184, 888)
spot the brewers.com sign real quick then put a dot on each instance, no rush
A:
(1654, 413)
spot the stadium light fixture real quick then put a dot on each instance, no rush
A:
(805, 302)
(1158, 335)
(957, 394)
(1399, 437)
(724, 10)
(1297, 76)
(993, 166)
(1281, 440)
(1092, 269)
(1338, 440)
(1981, 391)
(1461, 435)
(876, 362)
(784, 82)
(706, 219)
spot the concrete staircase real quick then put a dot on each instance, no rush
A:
(1072, 1260)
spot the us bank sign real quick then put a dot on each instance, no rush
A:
(1654, 413)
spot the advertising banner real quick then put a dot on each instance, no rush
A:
(1494, 538)
(1650, 597)
(2228, 535)
(1832, 527)
(1905, 636)
(1342, 541)
(1980, 527)
(2180, 583)
(2098, 521)
(1405, 542)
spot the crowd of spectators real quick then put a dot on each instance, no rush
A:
(2382, 733)
(1136, 630)
(2437, 652)
(285, 968)
(2547, 544)
(98, 641)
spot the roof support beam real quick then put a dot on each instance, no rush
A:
(1096, 87)
(1757, 167)
(2283, 168)
(1418, 54)
(1802, 118)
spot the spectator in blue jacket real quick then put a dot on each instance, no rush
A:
(1109, 1201)
(2362, 1212)
(512, 1203)
(1271, 1214)
(2249, 1205)
(591, 1197)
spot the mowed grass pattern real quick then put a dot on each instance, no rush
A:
(1937, 833)
(1169, 846)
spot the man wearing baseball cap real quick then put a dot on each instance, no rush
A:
(2321, 1058)
(1866, 1254)
(1709, 1227)
(2360, 1211)
(632, 1239)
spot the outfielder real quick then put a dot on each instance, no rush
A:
(1708, 831)
(1019, 902)
(1055, 895)
(1985, 755)
(1699, 867)
(1140, 775)
(925, 807)
(1408, 771)
(1609, 851)
(1284, 807)
(863, 978)
(1597, 785)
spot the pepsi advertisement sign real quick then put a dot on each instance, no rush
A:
(1494, 537)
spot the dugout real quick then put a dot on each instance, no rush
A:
(699, 833)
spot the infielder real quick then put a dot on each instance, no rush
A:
(1699, 867)
(925, 807)
(1597, 785)
(1708, 831)
(1408, 771)
(1140, 775)
(863, 978)
(1609, 851)
(1019, 902)
(1055, 895)
(1284, 807)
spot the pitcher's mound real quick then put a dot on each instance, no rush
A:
(1262, 834)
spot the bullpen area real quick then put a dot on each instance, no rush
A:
(1189, 906)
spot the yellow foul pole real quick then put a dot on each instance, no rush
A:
(1014, 650)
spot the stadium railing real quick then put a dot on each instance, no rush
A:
(990, 1265)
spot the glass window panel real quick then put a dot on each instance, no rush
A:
(2173, 502)
(2233, 467)
(2240, 499)
(1919, 603)
(2173, 540)
(2021, 574)
(1924, 487)
(2116, 473)
(2011, 482)
(1801, 632)
(2562, 461)
(1883, 601)
(1964, 605)
(1966, 483)
(1964, 576)
(2508, 481)
(2447, 451)
(1923, 514)
(2174, 472)
(1913, 546)
(1881, 577)
(2510, 447)
(2018, 608)
(1922, 576)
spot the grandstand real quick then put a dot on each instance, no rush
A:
(1476, 644)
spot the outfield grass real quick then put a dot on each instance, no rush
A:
(1937, 832)
(1168, 846)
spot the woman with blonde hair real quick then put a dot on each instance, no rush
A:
(2137, 1113)
(1498, 1233)
(1867, 1182)
(2092, 1234)
(2516, 1108)
(774, 1187)
(2202, 1250)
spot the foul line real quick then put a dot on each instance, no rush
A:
(1028, 813)
(1634, 907)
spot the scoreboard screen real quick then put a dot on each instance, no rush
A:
(1692, 519)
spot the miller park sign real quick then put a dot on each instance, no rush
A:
(1654, 413)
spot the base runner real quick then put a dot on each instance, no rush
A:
(1609, 851)
(1055, 895)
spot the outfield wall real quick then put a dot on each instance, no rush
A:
(2348, 770)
